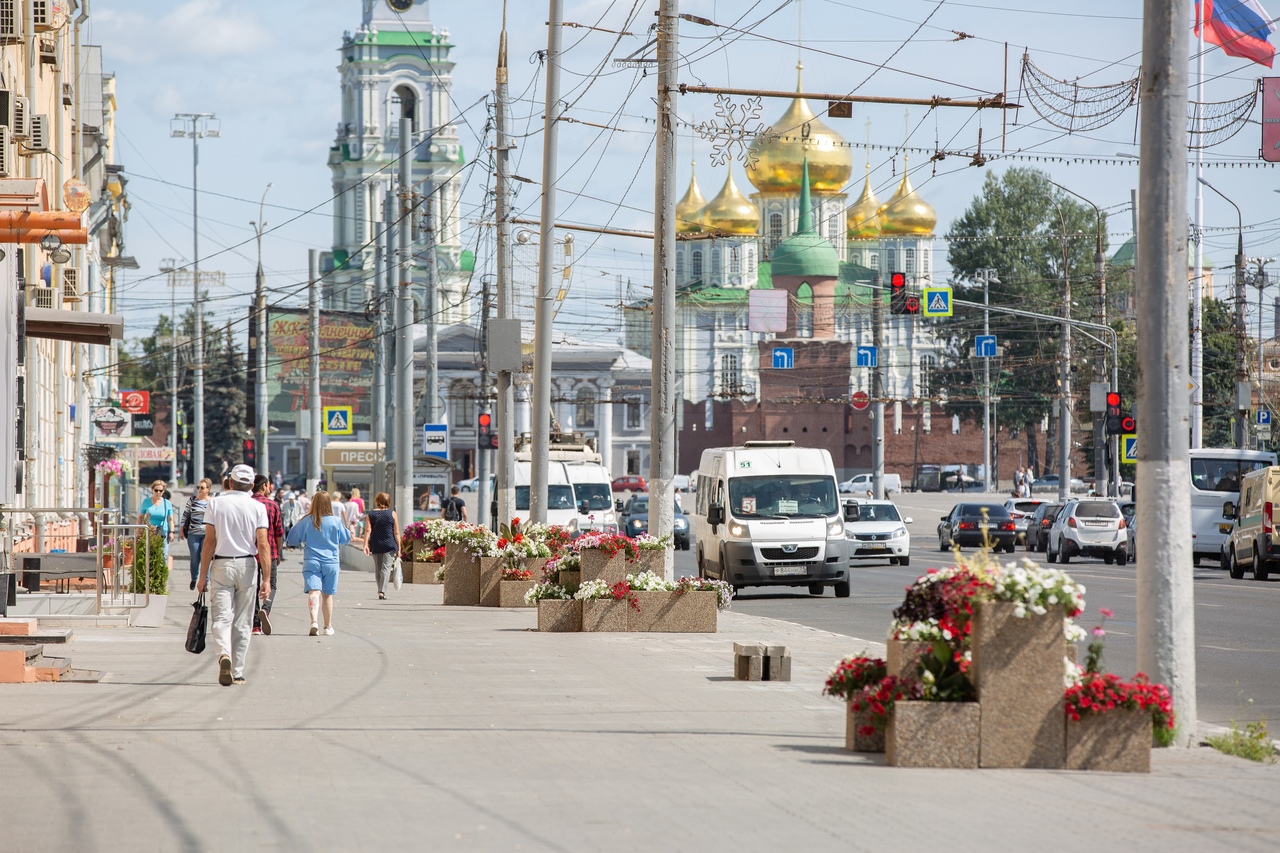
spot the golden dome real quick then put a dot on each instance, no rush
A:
(730, 212)
(689, 209)
(906, 213)
(862, 219)
(779, 161)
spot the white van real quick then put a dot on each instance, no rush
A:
(768, 514)
(561, 506)
(1216, 475)
(593, 494)
(860, 484)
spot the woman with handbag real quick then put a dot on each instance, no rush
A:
(382, 540)
(193, 525)
(157, 513)
(321, 536)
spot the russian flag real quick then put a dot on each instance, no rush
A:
(1240, 27)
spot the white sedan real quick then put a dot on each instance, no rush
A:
(874, 530)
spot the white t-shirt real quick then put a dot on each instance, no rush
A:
(236, 517)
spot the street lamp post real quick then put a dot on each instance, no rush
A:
(988, 276)
(258, 337)
(1242, 372)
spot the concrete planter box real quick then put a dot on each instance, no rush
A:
(667, 612)
(597, 565)
(559, 615)
(570, 579)
(511, 593)
(535, 565)
(1017, 672)
(854, 740)
(461, 577)
(490, 579)
(605, 614)
(1118, 741)
(901, 656)
(417, 572)
(933, 734)
(648, 561)
(152, 615)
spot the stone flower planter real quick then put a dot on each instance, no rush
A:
(417, 572)
(933, 734)
(511, 593)
(559, 615)
(605, 614)
(855, 741)
(1017, 672)
(901, 656)
(648, 561)
(461, 577)
(1118, 741)
(535, 565)
(490, 579)
(597, 565)
(667, 612)
(569, 579)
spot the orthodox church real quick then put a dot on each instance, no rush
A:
(396, 65)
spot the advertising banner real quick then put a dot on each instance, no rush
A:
(1271, 119)
(136, 402)
(346, 364)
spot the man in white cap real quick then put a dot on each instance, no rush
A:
(235, 543)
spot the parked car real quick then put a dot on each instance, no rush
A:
(1049, 483)
(469, 485)
(1129, 510)
(875, 530)
(1021, 509)
(1252, 542)
(1038, 525)
(634, 521)
(630, 483)
(1092, 527)
(860, 484)
(976, 524)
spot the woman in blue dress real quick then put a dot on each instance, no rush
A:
(321, 535)
(157, 513)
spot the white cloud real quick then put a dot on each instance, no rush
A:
(194, 30)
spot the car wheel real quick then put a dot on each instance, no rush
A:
(842, 589)
(942, 544)
(1050, 554)
(1234, 568)
(1108, 559)
(1260, 569)
(1224, 561)
(893, 561)
(904, 561)
(1122, 557)
(1064, 555)
(1195, 560)
(815, 588)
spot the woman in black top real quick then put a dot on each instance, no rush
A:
(382, 539)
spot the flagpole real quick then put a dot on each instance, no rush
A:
(1197, 282)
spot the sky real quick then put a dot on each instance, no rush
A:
(269, 73)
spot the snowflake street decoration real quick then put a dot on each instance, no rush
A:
(738, 126)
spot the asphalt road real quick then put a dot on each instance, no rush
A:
(1237, 636)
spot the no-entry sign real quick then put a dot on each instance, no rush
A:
(860, 400)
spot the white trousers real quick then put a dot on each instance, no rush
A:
(233, 584)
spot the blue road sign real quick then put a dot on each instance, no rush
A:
(337, 420)
(866, 357)
(985, 346)
(937, 302)
(435, 440)
(784, 358)
(1129, 449)
(1264, 417)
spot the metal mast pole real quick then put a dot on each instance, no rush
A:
(390, 312)
(877, 393)
(430, 386)
(1197, 282)
(173, 370)
(1242, 355)
(505, 421)
(259, 333)
(986, 383)
(1064, 418)
(544, 316)
(197, 375)
(1166, 598)
(662, 426)
(377, 431)
(313, 304)
(404, 335)
(482, 450)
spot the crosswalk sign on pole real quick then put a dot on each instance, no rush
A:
(937, 302)
(337, 420)
(1129, 449)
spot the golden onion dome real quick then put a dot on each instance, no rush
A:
(862, 220)
(730, 212)
(906, 213)
(689, 209)
(780, 152)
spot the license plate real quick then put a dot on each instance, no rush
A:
(873, 549)
(788, 571)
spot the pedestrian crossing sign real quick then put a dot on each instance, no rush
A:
(337, 420)
(1129, 449)
(937, 302)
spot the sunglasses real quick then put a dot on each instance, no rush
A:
(158, 491)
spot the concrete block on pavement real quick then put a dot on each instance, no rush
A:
(777, 663)
(748, 661)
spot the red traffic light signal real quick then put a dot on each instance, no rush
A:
(484, 430)
(250, 453)
(898, 280)
(1113, 400)
(485, 420)
(900, 299)
(1128, 425)
(1114, 427)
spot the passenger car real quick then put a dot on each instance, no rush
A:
(1021, 509)
(1093, 527)
(977, 524)
(634, 521)
(875, 530)
(1129, 510)
(630, 483)
(1038, 525)
(860, 484)
(1253, 542)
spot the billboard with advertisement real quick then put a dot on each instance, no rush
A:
(136, 402)
(1271, 119)
(346, 363)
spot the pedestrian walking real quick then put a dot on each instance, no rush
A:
(453, 508)
(278, 480)
(275, 535)
(193, 525)
(235, 545)
(157, 513)
(320, 536)
(382, 540)
(355, 498)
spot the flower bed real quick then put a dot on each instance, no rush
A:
(847, 682)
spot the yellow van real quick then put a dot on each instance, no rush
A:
(1253, 542)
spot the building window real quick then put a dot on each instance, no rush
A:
(751, 261)
(924, 263)
(463, 405)
(909, 260)
(775, 230)
(716, 269)
(833, 228)
(927, 363)
(873, 260)
(633, 413)
(735, 260)
(697, 264)
(892, 259)
(730, 374)
(586, 414)
(679, 266)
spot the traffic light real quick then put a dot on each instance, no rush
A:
(250, 452)
(900, 299)
(1128, 426)
(1113, 413)
(486, 438)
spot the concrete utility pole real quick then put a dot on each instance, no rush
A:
(988, 276)
(313, 305)
(482, 449)
(377, 431)
(391, 312)
(1166, 597)
(405, 408)
(1260, 279)
(1240, 431)
(170, 268)
(662, 425)
(505, 421)
(877, 392)
(539, 468)
(1064, 374)
(258, 331)
(431, 413)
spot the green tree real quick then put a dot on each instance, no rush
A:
(1034, 236)
(225, 410)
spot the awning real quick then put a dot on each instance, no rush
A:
(82, 327)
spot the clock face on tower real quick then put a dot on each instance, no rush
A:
(400, 5)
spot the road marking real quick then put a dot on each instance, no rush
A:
(1219, 648)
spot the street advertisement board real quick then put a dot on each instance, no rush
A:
(346, 364)
(1271, 119)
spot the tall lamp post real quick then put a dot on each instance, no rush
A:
(1242, 372)
(196, 125)
(258, 344)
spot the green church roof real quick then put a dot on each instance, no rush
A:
(1124, 255)
(805, 254)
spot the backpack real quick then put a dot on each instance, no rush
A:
(451, 511)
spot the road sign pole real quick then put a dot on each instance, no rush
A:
(877, 396)
(986, 383)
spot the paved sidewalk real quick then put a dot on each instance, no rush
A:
(424, 727)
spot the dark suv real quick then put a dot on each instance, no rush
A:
(977, 524)
(1038, 526)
